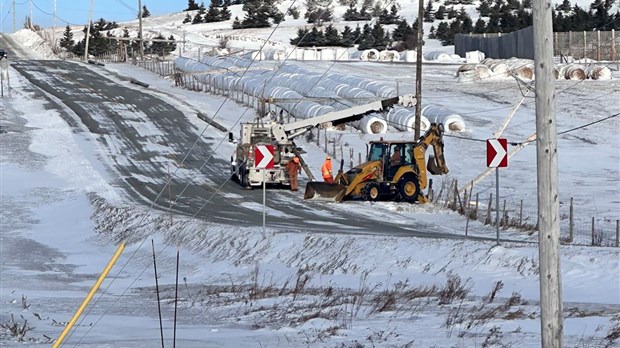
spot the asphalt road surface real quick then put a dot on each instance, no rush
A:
(115, 112)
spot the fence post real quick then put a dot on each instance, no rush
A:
(521, 214)
(456, 192)
(593, 231)
(570, 44)
(488, 217)
(476, 211)
(598, 45)
(613, 48)
(359, 158)
(617, 233)
(325, 140)
(585, 46)
(571, 221)
(351, 153)
(505, 217)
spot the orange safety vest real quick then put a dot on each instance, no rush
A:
(327, 169)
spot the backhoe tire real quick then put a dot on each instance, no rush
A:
(408, 188)
(371, 192)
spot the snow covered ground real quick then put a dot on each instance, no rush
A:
(239, 287)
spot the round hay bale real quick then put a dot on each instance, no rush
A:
(574, 72)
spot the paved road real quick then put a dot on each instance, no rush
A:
(117, 114)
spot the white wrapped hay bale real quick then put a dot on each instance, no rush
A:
(597, 72)
(523, 68)
(389, 56)
(327, 54)
(450, 119)
(438, 56)
(572, 72)
(403, 119)
(474, 57)
(475, 71)
(371, 124)
(408, 56)
(371, 55)
(310, 54)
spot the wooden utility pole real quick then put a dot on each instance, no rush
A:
(418, 72)
(54, 28)
(90, 16)
(140, 29)
(30, 17)
(547, 175)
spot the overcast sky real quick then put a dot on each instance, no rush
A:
(76, 11)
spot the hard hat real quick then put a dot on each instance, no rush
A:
(328, 157)
(296, 159)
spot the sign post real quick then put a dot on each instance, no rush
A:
(263, 157)
(497, 157)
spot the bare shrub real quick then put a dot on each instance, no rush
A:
(455, 288)
(17, 329)
(496, 288)
(223, 42)
(613, 335)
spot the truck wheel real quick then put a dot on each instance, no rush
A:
(371, 192)
(233, 173)
(409, 188)
(244, 179)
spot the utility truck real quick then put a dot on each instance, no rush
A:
(281, 136)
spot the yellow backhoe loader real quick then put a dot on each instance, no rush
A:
(394, 170)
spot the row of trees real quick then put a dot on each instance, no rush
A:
(99, 44)
(218, 12)
(404, 37)
(505, 16)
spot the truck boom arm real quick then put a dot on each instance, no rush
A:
(286, 132)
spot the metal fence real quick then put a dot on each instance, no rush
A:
(596, 45)
(575, 227)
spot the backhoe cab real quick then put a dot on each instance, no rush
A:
(394, 170)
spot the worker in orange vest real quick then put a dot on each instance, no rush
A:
(294, 168)
(326, 170)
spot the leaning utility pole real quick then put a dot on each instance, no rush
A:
(547, 175)
(90, 15)
(140, 29)
(418, 72)
(30, 18)
(54, 28)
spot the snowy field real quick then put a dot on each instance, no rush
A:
(241, 288)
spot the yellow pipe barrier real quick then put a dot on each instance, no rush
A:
(90, 295)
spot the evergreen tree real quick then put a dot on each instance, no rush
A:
(348, 37)
(319, 11)
(66, 41)
(236, 23)
(145, 12)
(225, 13)
(191, 5)
(258, 13)
(366, 41)
(351, 13)
(332, 37)
(315, 37)
(484, 8)
(401, 31)
(301, 37)
(440, 13)
(188, 19)
(452, 13)
(376, 10)
(213, 14)
(200, 16)
(527, 4)
(565, 6)
(428, 12)
(480, 27)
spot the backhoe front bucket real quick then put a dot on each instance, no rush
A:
(324, 191)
